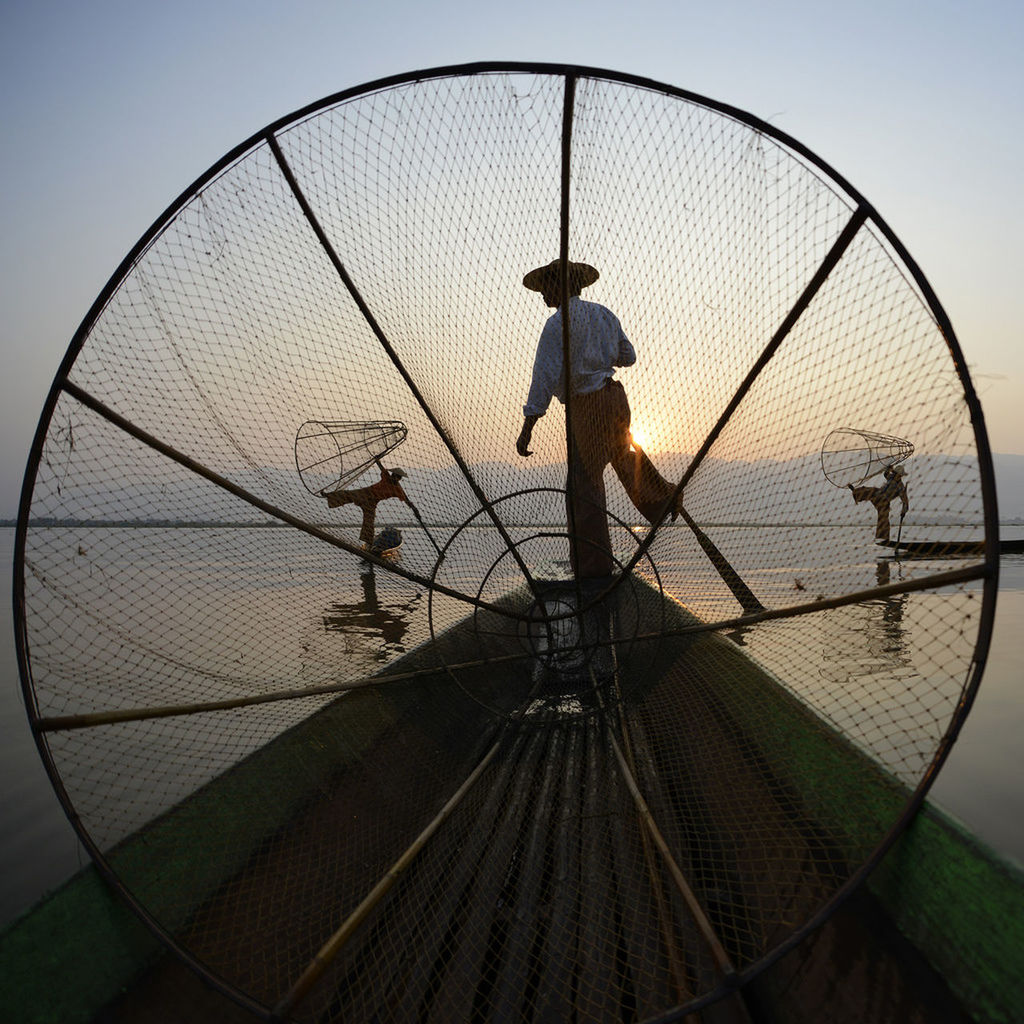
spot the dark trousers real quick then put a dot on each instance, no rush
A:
(599, 436)
(365, 501)
(881, 502)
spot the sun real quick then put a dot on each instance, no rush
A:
(640, 438)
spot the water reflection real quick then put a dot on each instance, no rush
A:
(889, 636)
(869, 639)
(371, 625)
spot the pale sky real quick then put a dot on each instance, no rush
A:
(112, 108)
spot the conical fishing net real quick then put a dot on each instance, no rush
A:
(849, 457)
(331, 454)
(481, 781)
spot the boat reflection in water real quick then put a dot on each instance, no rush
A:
(869, 638)
(888, 639)
(371, 626)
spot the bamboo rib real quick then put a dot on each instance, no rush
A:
(696, 911)
(676, 965)
(346, 279)
(101, 409)
(58, 723)
(473, 857)
(334, 945)
(933, 582)
(675, 959)
(814, 284)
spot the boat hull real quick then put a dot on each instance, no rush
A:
(949, 548)
(765, 809)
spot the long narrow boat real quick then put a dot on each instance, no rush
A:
(547, 858)
(950, 548)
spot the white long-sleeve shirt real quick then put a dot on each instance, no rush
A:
(596, 345)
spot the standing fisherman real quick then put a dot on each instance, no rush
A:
(881, 497)
(367, 499)
(599, 411)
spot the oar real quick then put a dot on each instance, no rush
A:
(899, 534)
(419, 519)
(415, 512)
(748, 601)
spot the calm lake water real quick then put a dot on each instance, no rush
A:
(980, 784)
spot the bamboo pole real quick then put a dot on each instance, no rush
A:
(938, 580)
(677, 967)
(447, 931)
(119, 421)
(59, 723)
(693, 905)
(323, 959)
(346, 279)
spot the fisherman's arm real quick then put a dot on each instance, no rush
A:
(523, 441)
(547, 369)
(626, 355)
(546, 375)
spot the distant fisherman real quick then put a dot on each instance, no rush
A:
(882, 497)
(367, 499)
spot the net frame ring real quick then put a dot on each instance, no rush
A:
(554, 610)
(65, 387)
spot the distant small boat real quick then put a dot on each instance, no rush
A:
(945, 548)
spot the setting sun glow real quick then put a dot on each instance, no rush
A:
(640, 438)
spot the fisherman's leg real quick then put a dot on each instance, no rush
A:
(336, 498)
(882, 526)
(588, 515)
(366, 531)
(592, 547)
(647, 488)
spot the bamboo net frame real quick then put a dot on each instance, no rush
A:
(378, 771)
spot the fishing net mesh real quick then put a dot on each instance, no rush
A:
(482, 788)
